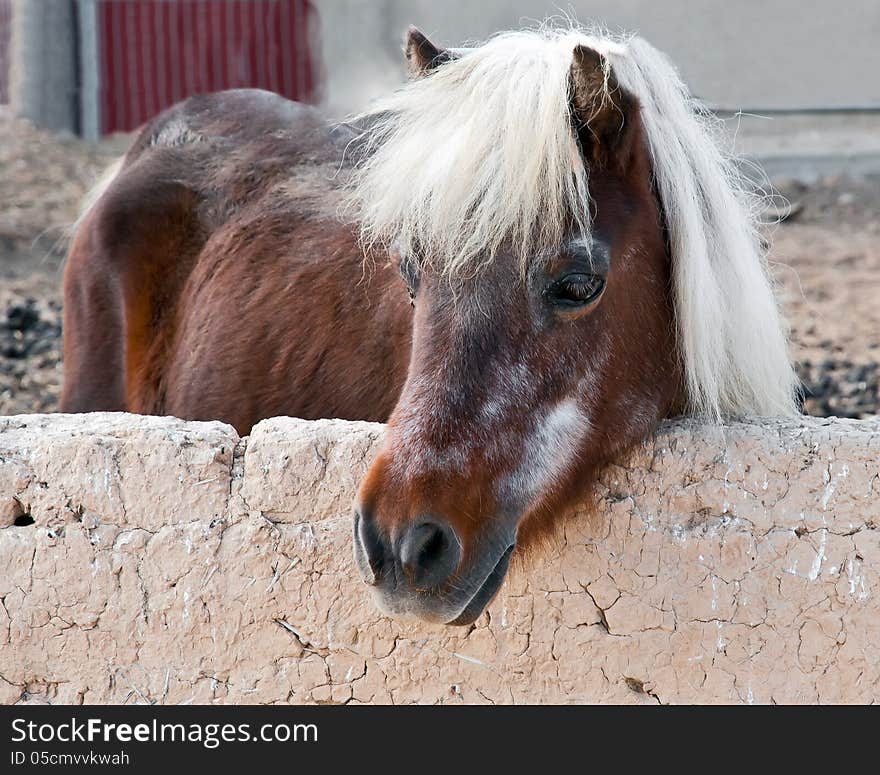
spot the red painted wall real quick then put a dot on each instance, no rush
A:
(154, 52)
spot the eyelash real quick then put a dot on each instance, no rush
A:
(576, 290)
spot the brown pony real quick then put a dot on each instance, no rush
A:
(559, 257)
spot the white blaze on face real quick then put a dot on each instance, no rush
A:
(547, 452)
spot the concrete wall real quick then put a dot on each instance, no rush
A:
(174, 562)
(754, 54)
(43, 63)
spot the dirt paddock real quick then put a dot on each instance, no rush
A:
(826, 259)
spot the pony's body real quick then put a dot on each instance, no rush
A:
(581, 258)
(206, 280)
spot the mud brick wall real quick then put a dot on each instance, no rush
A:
(154, 560)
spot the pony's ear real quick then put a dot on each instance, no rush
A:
(422, 56)
(599, 104)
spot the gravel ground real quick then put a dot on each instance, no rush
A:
(830, 282)
(30, 345)
(826, 258)
(43, 177)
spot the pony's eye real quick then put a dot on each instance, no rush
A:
(575, 290)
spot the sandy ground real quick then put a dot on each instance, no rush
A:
(43, 176)
(826, 259)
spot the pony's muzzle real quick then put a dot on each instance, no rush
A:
(429, 553)
(417, 569)
(369, 551)
(423, 556)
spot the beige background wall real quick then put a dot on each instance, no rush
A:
(751, 54)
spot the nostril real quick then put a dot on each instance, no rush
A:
(422, 546)
(429, 553)
(433, 548)
(368, 540)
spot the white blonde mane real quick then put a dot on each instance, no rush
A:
(481, 153)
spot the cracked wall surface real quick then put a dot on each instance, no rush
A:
(153, 560)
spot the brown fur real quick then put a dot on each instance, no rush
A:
(217, 278)
(205, 281)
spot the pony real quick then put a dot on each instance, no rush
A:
(522, 260)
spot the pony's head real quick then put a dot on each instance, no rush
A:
(582, 262)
